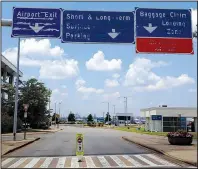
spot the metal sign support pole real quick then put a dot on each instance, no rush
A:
(25, 130)
(16, 93)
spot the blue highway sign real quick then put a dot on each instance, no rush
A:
(168, 23)
(98, 27)
(36, 22)
(156, 117)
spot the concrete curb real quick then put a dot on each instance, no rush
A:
(160, 151)
(32, 133)
(16, 148)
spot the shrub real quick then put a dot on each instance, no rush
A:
(179, 134)
(7, 123)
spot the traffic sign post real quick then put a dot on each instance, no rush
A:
(36, 22)
(26, 106)
(98, 27)
(164, 31)
(79, 146)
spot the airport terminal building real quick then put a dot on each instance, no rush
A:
(168, 119)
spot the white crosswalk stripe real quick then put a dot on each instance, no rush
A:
(108, 161)
(164, 162)
(90, 163)
(61, 162)
(7, 161)
(74, 162)
(15, 165)
(137, 164)
(46, 162)
(103, 161)
(118, 161)
(145, 160)
(32, 163)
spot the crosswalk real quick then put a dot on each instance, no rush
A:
(107, 161)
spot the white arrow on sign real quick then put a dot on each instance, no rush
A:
(150, 28)
(113, 34)
(36, 28)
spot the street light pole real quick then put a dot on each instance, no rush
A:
(108, 113)
(16, 93)
(114, 113)
(55, 114)
(59, 114)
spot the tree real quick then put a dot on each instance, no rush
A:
(108, 117)
(89, 118)
(57, 118)
(7, 110)
(71, 117)
(37, 96)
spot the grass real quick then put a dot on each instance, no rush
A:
(141, 131)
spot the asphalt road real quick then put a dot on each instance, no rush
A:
(96, 142)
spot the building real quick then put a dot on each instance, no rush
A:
(168, 119)
(120, 119)
(8, 73)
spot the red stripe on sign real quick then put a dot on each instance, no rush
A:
(164, 45)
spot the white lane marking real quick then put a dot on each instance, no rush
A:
(103, 161)
(164, 162)
(134, 162)
(118, 161)
(61, 162)
(74, 162)
(7, 161)
(89, 162)
(32, 163)
(145, 160)
(16, 164)
(46, 163)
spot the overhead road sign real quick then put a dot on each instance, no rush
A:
(164, 31)
(36, 22)
(98, 27)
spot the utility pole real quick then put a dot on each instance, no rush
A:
(108, 113)
(114, 114)
(59, 113)
(55, 114)
(125, 106)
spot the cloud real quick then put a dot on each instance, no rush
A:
(40, 48)
(40, 53)
(167, 82)
(192, 90)
(116, 75)
(111, 83)
(140, 73)
(80, 85)
(58, 95)
(59, 69)
(98, 63)
(111, 96)
(64, 87)
(141, 77)
(32, 50)
(194, 19)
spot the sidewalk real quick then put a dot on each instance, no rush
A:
(52, 129)
(9, 146)
(186, 154)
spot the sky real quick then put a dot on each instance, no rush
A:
(82, 76)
